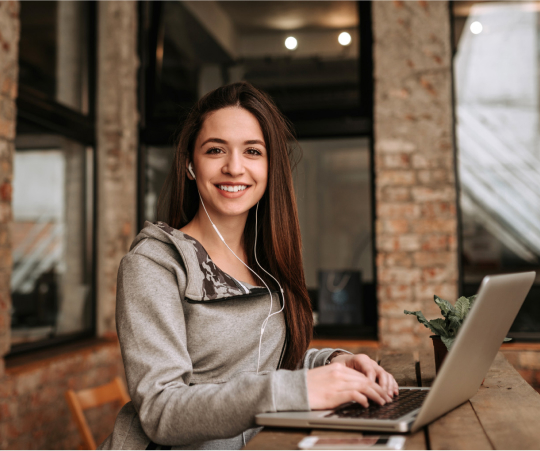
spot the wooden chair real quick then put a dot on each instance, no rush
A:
(94, 397)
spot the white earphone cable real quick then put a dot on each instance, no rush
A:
(256, 260)
(265, 322)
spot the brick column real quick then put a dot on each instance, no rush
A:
(117, 120)
(9, 68)
(416, 223)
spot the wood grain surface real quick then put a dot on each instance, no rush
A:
(427, 367)
(458, 429)
(508, 408)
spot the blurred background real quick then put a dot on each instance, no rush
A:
(418, 127)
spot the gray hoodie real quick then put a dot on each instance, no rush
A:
(189, 335)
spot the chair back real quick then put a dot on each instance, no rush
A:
(94, 397)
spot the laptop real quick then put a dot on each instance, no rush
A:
(465, 366)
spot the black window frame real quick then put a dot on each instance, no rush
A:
(37, 110)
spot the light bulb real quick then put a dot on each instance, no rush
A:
(291, 43)
(344, 38)
(476, 27)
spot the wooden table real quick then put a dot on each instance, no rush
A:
(504, 414)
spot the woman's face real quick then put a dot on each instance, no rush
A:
(230, 162)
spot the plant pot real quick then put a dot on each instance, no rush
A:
(440, 351)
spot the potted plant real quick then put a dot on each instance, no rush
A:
(445, 330)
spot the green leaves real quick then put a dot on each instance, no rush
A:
(435, 325)
(462, 307)
(453, 323)
(454, 315)
(419, 316)
(438, 326)
(445, 306)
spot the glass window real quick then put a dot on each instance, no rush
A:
(53, 56)
(52, 218)
(333, 190)
(497, 83)
(306, 55)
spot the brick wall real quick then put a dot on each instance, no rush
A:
(33, 411)
(117, 134)
(9, 69)
(416, 223)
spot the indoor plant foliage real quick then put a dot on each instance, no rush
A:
(454, 315)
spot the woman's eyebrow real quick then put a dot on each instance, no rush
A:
(222, 141)
(214, 140)
(254, 141)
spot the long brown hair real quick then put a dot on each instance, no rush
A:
(279, 248)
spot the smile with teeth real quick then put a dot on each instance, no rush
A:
(232, 189)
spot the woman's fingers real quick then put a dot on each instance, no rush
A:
(387, 381)
(374, 372)
(395, 385)
(384, 381)
(359, 398)
(374, 395)
(388, 384)
(371, 374)
(365, 385)
(336, 384)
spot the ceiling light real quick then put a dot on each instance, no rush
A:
(291, 43)
(476, 27)
(344, 38)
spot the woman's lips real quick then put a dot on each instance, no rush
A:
(223, 190)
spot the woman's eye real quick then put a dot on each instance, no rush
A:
(214, 150)
(254, 152)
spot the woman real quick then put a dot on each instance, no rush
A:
(213, 315)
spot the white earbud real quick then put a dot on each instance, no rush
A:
(190, 169)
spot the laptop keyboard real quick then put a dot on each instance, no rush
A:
(407, 401)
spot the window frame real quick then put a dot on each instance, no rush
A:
(36, 109)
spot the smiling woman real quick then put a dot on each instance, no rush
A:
(206, 347)
(233, 166)
(236, 136)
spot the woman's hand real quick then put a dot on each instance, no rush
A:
(370, 368)
(331, 385)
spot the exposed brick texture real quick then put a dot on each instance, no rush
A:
(117, 120)
(416, 223)
(9, 70)
(33, 411)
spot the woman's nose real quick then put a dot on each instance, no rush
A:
(234, 165)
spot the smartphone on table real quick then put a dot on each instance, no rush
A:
(351, 442)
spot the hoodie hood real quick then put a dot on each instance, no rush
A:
(205, 281)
